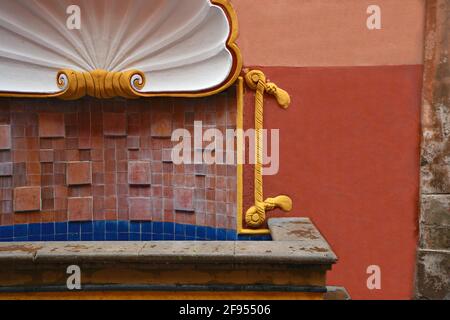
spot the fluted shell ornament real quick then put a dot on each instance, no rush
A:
(109, 48)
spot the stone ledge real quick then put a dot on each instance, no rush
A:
(181, 252)
(336, 293)
(296, 242)
(301, 231)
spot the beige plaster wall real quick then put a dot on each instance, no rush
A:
(330, 32)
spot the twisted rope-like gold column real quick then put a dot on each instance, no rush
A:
(256, 215)
(100, 84)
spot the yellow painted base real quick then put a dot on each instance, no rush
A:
(163, 296)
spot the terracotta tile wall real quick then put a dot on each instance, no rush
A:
(111, 160)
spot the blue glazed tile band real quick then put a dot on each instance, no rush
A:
(119, 231)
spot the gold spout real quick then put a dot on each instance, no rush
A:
(283, 98)
(282, 202)
(252, 217)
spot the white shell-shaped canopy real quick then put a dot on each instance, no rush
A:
(180, 45)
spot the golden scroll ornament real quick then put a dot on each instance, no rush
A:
(100, 84)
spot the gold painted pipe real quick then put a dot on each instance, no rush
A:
(256, 215)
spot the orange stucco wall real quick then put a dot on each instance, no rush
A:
(350, 140)
(329, 32)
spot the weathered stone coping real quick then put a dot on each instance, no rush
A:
(296, 242)
(301, 230)
(271, 252)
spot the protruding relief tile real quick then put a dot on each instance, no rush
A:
(114, 124)
(184, 199)
(79, 173)
(5, 137)
(133, 143)
(27, 199)
(46, 156)
(51, 125)
(6, 169)
(140, 209)
(200, 170)
(139, 173)
(167, 155)
(161, 126)
(80, 209)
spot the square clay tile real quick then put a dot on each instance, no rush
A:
(79, 173)
(51, 125)
(140, 209)
(167, 156)
(6, 169)
(27, 199)
(200, 170)
(46, 156)
(139, 173)
(80, 209)
(184, 199)
(5, 137)
(161, 126)
(114, 124)
(133, 143)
